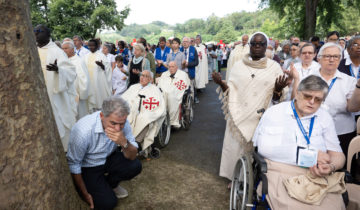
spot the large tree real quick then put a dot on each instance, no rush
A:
(85, 18)
(304, 16)
(33, 169)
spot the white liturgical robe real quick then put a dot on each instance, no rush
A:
(100, 80)
(236, 55)
(201, 75)
(61, 89)
(147, 109)
(82, 85)
(173, 90)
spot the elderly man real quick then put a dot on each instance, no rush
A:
(174, 83)
(201, 74)
(100, 74)
(192, 60)
(59, 75)
(82, 82)
(237, 54)
(299, 142)
(351, 65)
(103, 143)
(147, 110)
(80, 50)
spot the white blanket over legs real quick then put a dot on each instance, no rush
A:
(150, 110)
(174, 89)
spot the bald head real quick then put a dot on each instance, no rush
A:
(173, 67)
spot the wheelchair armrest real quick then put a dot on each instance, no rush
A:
(260, 161)
(348, 178)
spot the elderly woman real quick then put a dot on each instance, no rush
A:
(285, 51)
(299, 143)
(137, 64)
(252, 84)
(344, 93)
(106, 49)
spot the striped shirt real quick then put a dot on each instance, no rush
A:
(89, 146)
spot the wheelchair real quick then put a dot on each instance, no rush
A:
(163, 137)
(187, 109)
(248, 173)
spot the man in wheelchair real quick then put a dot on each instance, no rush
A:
(174, 83)
(147, 110)
(302, 151)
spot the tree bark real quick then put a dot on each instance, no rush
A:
(310, 18)
(33, 170)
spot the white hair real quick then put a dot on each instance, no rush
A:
(150, 72)
(70, 43)
(186, 38)
(328, 45)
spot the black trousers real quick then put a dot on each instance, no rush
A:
(219, 66)
(101, 187)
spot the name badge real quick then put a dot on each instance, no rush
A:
(306, 157)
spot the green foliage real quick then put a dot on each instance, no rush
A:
(69, 17)
(227, 32)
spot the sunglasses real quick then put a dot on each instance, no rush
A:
(261, 44)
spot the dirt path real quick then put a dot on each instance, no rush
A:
(186, 175)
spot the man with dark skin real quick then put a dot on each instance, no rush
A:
(93, 47)
(42, 35)
(60, 75)
(257, 51)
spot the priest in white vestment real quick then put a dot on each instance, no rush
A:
(59, 74)
(100, 74)
(147, 110)
(237, 54)
(254, 82)
(201, 70)
(174, 83)
(84, 98)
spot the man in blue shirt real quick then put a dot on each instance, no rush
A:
(102, 152)
(161, 54)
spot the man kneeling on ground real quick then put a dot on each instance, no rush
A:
(102, 152)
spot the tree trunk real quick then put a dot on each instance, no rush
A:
(33, 170)
(310, 18)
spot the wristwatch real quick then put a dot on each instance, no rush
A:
(126, 145)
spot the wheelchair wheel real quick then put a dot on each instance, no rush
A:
(242, 185)
(188, 112)
(163, 137)
(154, 153)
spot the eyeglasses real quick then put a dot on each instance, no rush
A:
(144, 75)
(261, 44)
(328, 57)
(309, 97)
(304, 53)
(293, 49)
(355, 45)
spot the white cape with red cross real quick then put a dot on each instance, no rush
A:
(173, 90)
(152, 111)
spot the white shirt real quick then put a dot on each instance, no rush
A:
(336, 102)
(110, 57)
(355, 69)
(278, 134)
(303, 73)
(81, 52)
(118, 83)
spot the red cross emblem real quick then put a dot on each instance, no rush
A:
(150, 103)
(180, 85)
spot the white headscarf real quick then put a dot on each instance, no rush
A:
(266, 37)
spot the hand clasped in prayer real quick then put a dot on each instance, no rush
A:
(100, 63)
(53, 67)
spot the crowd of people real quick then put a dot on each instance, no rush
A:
(109, 102)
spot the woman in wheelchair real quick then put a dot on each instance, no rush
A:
(299, 143)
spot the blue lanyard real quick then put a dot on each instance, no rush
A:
(332, 84)
(301, 125)
(352, 72)
(173, 56)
